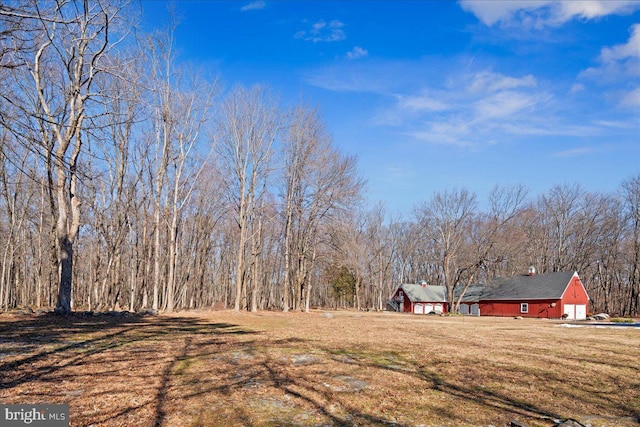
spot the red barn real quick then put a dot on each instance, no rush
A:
(549, 295)
(419, 299)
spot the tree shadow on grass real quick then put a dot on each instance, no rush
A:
(495, 401)
(320, 400)
(125, 360)
(256, 382)
(144, 371)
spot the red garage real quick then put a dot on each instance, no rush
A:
(550, 295)
(419, 299)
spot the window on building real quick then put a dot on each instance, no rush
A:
(524, 307)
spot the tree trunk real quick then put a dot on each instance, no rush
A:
(240, 263)
(63, 305)
(172, 263)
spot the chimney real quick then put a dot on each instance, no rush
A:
(423, 283)
(532, 271)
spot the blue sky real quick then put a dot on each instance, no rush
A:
(432, 95)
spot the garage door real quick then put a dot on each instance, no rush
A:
(428, 308)
(575, 311)
(570, 311)
(438, 308)
(418, 309)
(464, 309)
(475, 309)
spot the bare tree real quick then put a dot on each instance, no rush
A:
(181, 104)
(65, 47)
(448, 215)
(115, 179)
(320, 184)
(16, 202)
(246, 130)
(305, 139)
(486, 244)
(381, 247)
(561, 207)
(631, 197)
(191, 110)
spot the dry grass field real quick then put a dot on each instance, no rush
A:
(320, 369)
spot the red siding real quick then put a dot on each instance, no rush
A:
(575, 293)
(537, 308)
(407, 305)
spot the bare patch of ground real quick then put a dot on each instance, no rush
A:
(295, 369)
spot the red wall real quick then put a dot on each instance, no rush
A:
(575, 293)
(407, 305)
(537, 308)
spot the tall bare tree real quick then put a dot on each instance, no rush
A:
(381, 247)
(449, 215)
(65, 43)
(320, 183)
(631, 197)
(247, 126)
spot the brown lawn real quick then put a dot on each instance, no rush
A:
(320, 369)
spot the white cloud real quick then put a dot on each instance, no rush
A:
(493, 11)
(630, 49)
(505, 104)
(352, 76)
(577, 88)
(463, 103)
(420, 103)
(357, 52)
(631, 98)
(472, 109)
(322, 31)
(616, 124)
(256, 5)
(591, 9)
(539, 13)
(619, 71)
(493, 82)
(547, 126)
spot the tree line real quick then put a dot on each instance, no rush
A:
(129, 181)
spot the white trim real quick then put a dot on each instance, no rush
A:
(524, 307)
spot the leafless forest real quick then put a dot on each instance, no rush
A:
(129, 180)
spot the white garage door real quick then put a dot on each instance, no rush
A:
(428, 308)
(575, 311)
(570, 311)
(464, 309)
(475, 309)
(418, 309)
(438, 308)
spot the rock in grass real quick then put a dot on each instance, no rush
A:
(570, 423)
